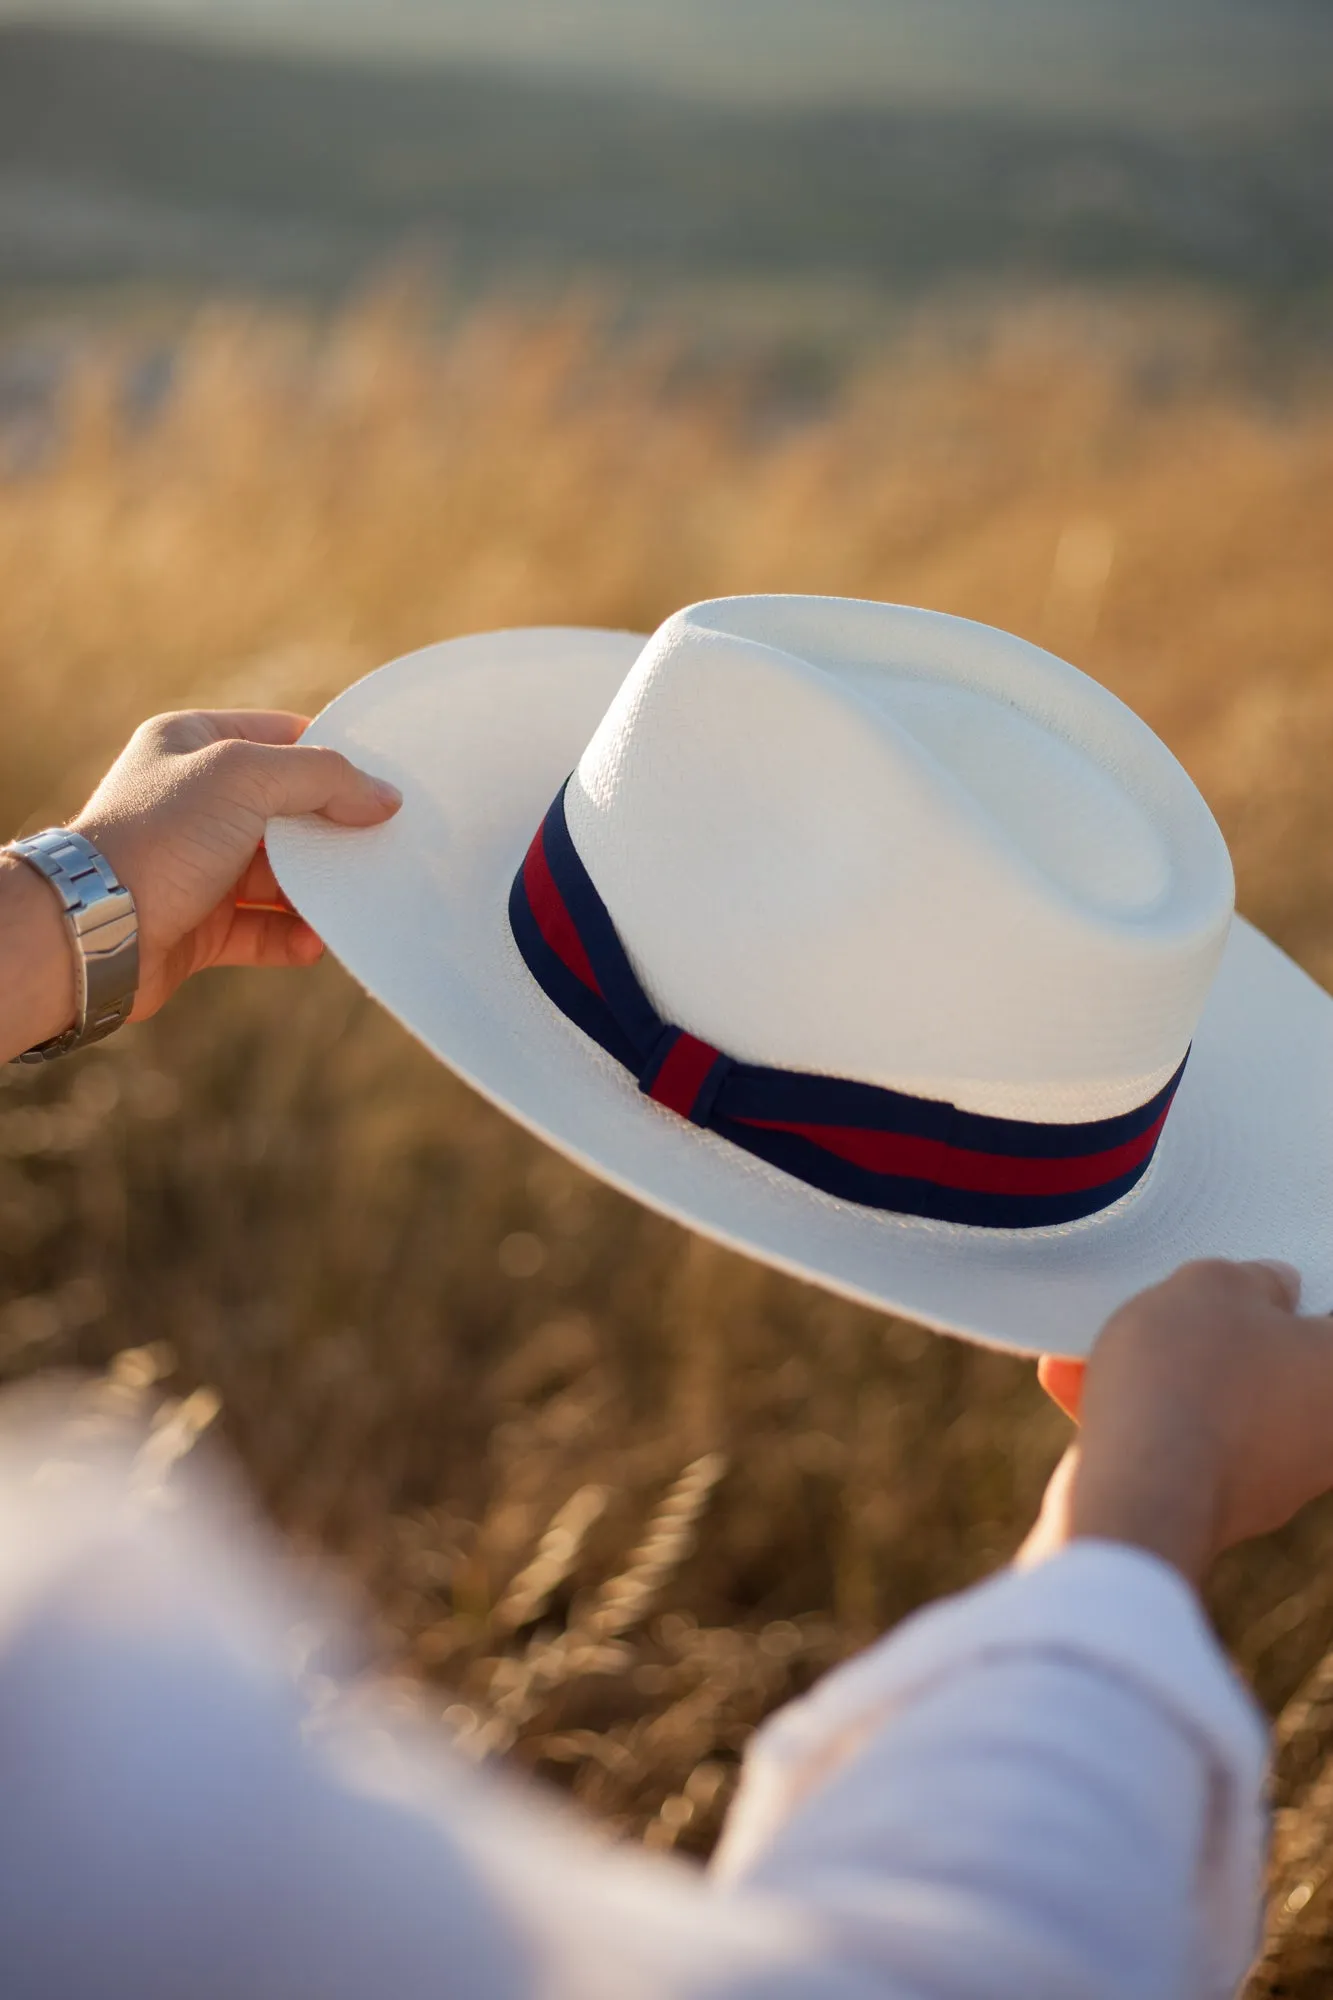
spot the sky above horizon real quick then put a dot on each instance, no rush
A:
(1152, 60)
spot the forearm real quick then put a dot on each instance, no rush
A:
(979, 1848)
(1052, 1784)
(37, 996)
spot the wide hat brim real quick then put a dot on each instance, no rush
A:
(479, 734)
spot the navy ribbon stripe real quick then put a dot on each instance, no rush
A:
(882, 1148)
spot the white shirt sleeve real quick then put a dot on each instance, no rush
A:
(1050, 1786)
(1056, 1775)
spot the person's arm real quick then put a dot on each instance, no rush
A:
(36, 967)
(1048, 1786)
(1065, 1754)
(1051, 1785)
(180, 816)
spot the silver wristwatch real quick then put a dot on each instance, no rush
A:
(104, 931)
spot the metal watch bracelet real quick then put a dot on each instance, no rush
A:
(104, 931)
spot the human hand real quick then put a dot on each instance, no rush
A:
(181, 817)
(1206, 1414)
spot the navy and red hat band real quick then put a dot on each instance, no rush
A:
(858, 1141)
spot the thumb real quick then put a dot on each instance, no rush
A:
(1063, 1382)
(306, 778)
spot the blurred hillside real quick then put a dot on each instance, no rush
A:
(1168, 62)
(609, 1493)
(125, 158)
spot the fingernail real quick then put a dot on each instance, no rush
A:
(387, 793)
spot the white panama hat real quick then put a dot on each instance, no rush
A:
(866, 940)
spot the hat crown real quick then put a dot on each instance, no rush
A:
(866, 841)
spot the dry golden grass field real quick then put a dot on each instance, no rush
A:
(608, 1493)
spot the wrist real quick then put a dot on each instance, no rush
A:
(1163, 1502)
(1171, 1519)
(38, 988)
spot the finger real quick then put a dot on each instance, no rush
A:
(309, 779)
(1062, 1380)
(256, 725)
(258, 887)
(1281, 1283)
(264, 939)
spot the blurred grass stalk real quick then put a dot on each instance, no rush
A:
(502, 1398)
